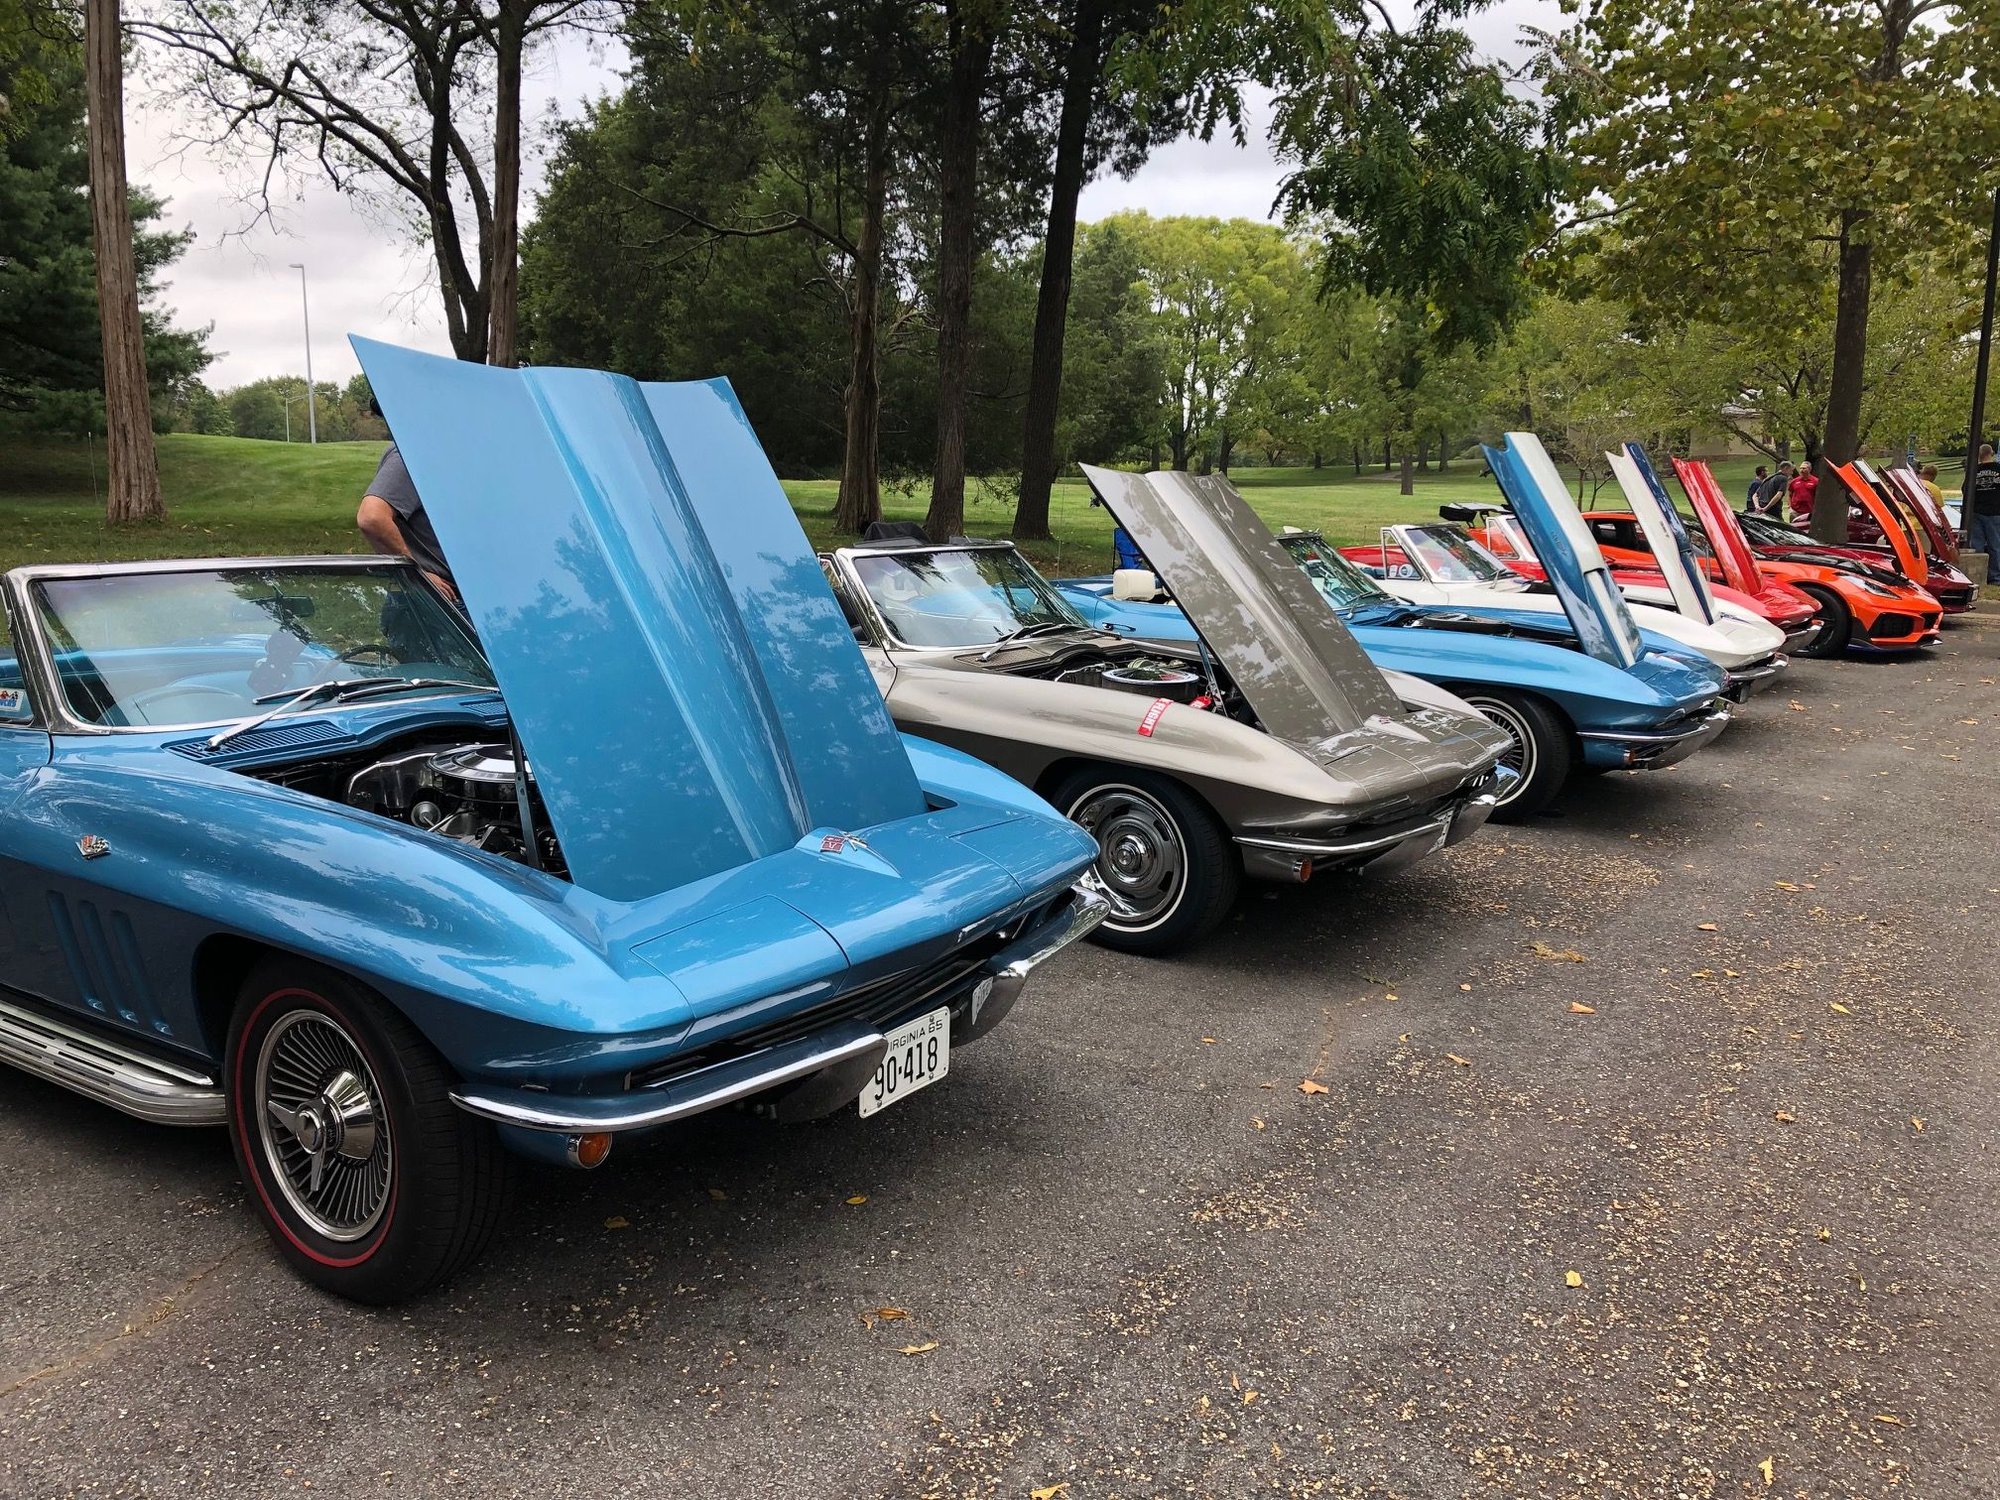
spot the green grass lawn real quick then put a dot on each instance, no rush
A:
(237, 497)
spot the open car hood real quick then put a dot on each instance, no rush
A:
(1909, 554)
(686, 692)
(1916, 518)
(1725, 533)
(1568, 553)
(1944, 539)
(1290, 654)
(1664, 533)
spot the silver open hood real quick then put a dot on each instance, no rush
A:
(1289, 653)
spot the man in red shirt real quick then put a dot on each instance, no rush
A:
(1804, 485)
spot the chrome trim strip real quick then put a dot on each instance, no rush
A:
(1328, 847)
(698, 1092)
(100, 1068)
(1712, 721)
(1012, 965)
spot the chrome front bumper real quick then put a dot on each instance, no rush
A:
(822, 1070)
(1744, 683)
(1280, 858)
(1795, 639)
(1654, 750)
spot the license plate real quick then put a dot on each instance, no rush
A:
(919, 1055)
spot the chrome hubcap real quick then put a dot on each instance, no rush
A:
(1141, 862)
(1521, 756)
(322, 1127)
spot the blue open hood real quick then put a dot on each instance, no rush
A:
(1568, 553)
(680, 676)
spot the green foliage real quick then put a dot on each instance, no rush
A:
(51, 361)
(1733, 147)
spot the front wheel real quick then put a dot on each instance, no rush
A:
(1541, 754)
(1836, 624)
(1164, 861)
(371, 1182)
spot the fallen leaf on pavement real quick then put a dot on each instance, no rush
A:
(1706, 927)
(1784, 885)
(1798, 707)
(1389, 997)
(1836, 1005)
(1564, 955)
(890, 1314)
(618, 1221)
(1917, 1123)
(1889, 1420)
(1208, 1041)
(1578, 1008)
(857, 1200)
(1248, 1397)
(918, 1348)
(1465, 986)
(1769, 1471)
(1258, 1123)
(1050, 1493)
(1572, 1278)
(718, 1195)
(1463, 1062)
(1826, 1234)
(1784, 1117)
(1309, 1087)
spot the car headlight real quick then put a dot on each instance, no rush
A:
(1881, 591)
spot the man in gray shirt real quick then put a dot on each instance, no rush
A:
(392, 518)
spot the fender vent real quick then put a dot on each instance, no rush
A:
(102, 952)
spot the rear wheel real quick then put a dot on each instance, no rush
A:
(1164, 861)
(1836, 623)
(1541, 755)
(371, 1182)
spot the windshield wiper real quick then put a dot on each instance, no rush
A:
(335, 689)
(1028, 632)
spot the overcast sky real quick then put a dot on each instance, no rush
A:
(364, 279)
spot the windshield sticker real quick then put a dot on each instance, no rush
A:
(13, 703)
(1158, 707)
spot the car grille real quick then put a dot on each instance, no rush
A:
(878, 1002)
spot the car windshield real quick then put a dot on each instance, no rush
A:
(1448, 555)
(970, 596)
(1344, 585)
(136, 650)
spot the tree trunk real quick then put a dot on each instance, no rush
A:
(1444, 453)
(1843, 402)
(971, 49)
(1388, 454)
(1081, 70)
(503, 280)
(1225, 449)
(1409, 479)
(1319, 459)
(132, 488)
(1354, 452)
(1177, 444)
(860, 502)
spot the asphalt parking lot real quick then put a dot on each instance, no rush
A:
(1122, 1252)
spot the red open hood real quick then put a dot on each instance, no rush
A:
(1732, 547)
(1895, 529)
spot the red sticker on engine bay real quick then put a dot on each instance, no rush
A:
(1159, 706)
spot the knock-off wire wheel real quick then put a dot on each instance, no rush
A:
(322, 1125)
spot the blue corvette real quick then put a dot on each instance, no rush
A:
(285, 847)
(1563, 706)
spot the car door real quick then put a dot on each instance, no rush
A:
(24, 758)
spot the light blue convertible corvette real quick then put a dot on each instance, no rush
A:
(284, 847)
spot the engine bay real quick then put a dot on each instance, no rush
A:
(1148, 672)
(464, 787)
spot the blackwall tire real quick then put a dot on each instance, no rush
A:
(1837, 624)
(1543, 753)
(370, 1181)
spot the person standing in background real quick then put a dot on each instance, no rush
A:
(1771, 493)
(1756, 483)
(392, 518)
(1800, 492)
(1981, 507)
(1928, 474)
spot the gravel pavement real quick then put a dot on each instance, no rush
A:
(1649, 1151)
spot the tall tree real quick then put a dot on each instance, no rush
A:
(132, 472)
(389, 101)
(970, 37)
(1721, 192)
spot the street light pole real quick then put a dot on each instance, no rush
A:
(1979, 380)
(312, 412)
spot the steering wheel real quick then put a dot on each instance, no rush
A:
(371, 648)
(142, 702)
